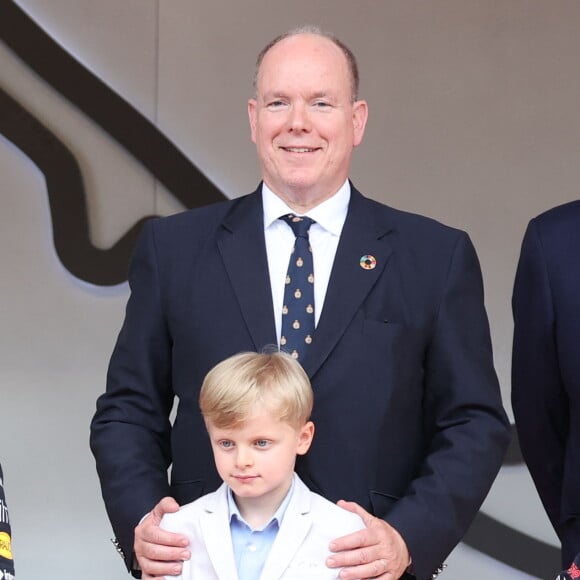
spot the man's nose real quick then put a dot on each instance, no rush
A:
(299, 118)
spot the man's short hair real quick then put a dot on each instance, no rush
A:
(315, 30)
(233, 388)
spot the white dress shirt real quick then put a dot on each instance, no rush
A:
(324, 236)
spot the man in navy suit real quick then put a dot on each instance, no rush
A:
(410, 424)
(546, 366)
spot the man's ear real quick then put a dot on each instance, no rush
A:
(360, 114)
(305, 436)
(252, 113)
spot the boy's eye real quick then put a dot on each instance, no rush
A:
(262, 443)
(225, 444)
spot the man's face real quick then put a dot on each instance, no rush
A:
(303, 120)
(256, 459)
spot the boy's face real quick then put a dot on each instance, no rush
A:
(256, 459)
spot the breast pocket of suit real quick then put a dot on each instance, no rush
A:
(392, 338)
(394, 352)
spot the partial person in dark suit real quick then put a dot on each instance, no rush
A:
(546, 366)
(409, 416)
(6, 557)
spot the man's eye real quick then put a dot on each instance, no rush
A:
(276, 104)
(321, 104)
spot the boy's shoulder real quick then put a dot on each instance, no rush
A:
(327, 514)
(335, 513)
(188, 512)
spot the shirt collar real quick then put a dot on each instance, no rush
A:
(278, 516)
(330, 214)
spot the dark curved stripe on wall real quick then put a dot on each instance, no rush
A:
(68, 208)
(116, 116)
(512, 547)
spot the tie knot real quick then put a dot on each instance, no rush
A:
(299, 224)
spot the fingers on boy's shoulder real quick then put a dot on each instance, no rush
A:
(167, 504)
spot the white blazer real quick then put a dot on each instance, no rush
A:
(298, 552)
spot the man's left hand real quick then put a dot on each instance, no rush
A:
(378, 551)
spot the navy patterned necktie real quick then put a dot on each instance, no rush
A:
(298, 307)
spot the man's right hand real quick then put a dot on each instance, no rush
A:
(159, 552)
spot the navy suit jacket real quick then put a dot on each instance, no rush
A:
(409, 421)
(546, 366)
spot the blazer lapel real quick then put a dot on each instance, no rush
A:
(243, 250)
(215, 528)
(350, 283)
(295, 526)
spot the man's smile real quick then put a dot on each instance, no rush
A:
(300, 149)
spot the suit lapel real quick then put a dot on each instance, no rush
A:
(363, 235)
(243, 250)
(215, 528)
(295, 526)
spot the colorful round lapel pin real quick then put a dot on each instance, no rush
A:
(368, 262)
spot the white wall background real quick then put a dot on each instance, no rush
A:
(473, 120)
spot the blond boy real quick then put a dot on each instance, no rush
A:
(263, 522)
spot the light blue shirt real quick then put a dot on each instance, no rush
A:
(252, 546)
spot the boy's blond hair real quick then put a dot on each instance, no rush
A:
(233, 388)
